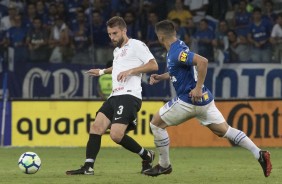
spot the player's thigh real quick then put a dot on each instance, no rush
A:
(126, 108)
(176, 112)
(210, 116)
(100, 125)
(102, 119)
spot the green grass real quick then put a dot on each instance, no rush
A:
(118, 166)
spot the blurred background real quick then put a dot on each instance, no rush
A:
(46, 46)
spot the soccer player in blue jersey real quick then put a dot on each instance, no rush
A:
(187, 71)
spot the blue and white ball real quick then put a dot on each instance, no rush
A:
(29, 162)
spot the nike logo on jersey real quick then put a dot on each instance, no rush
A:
(117, 118)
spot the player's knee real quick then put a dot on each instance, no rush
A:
(116, 136)
(95, 128)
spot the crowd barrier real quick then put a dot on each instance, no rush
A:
(66, 123)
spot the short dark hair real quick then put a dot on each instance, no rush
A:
(165, 26)
(116, 21)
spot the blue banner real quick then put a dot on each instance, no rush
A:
(65, 81)
(68, 81)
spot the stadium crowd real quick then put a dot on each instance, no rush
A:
(74, 31)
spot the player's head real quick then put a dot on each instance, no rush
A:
(116, 27)
(165, 30)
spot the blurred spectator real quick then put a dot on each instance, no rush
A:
(17, 40)
(3, 11)
(59, 41)
(277, 5)
(220, 43)
(258, 36)
(119, 7)
(198, 8)
(106, 9)
(218, 8)
(276, 39)
(242, 19)
(8, 21)
(159, 7)
(100, 39)
(133, 29)
(104, 87)
(37, 40)
(180, 13)
(204, 36)
(239, 49)
(229, 16)
(61, 10)
(49, 21)
(268, 13)
(71, 7)
(18, 4)
(80, 40)
(151, 37)
(181, 31)
(221, 40)
(29, 16)
(41, 10)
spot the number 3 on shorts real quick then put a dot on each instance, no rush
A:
(120, 109)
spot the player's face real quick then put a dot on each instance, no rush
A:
(117, 35)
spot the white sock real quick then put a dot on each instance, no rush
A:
(161, 140)
(141, 151)
(241, 139)
(89, 160)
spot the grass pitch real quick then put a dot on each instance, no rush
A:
(118, 166)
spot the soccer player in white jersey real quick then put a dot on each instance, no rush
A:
(187, 71)
(131, 59)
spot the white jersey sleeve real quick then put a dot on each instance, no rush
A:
(143, 52)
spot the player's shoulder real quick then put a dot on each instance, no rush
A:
(179, 47)
(137, 43)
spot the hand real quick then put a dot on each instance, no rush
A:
(93, 72)
(123, 75)
(196, 95)
(154, 79)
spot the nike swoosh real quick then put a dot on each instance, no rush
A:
(117, 118)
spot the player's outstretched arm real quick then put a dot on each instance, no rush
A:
(98, 72)
(155, 78)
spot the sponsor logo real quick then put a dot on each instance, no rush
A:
(256, 125)
(183, 56)
(52, 124)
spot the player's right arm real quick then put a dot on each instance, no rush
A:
(98, 72)
(155, 78)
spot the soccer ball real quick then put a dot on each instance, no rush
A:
(29, 162)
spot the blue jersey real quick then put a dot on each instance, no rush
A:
(183, 73)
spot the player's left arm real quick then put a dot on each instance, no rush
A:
(148, 67)
(202, 64)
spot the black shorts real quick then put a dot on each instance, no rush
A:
(122, 109)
